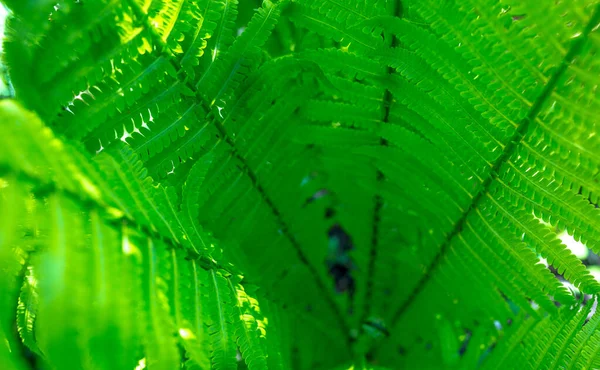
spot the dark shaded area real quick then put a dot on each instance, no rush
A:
(318, 195)
(465, 343)
(338, 260)
(375, 327)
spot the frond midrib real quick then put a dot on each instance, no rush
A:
(252, 176)
(388, 100)
(512, 145)
(41, 188)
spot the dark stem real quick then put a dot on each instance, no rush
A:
(253, 178)
(378, 201)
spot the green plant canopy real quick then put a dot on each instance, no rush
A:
(299, 184)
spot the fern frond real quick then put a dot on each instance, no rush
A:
(199, 347)
(221, 326)
(158, 326)
(276, 337)
(546, 244)
(249, 332)
(339, 24)
(551, 343)
(212, 15)
(537, 194)
(239, 60)
(192, 202)
(300, 184)
(345, 12)
(129, 258)
(27, 310)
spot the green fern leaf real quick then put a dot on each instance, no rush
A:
(220, 326)
(249, 332)
(300, 184)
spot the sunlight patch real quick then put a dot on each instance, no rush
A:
(571, 288)
(172, 169)
(31, 280)
(577, 248)
(88, 186)
(114, 212)
(186, 333)
(595, 272)
(101, 147)
(125, 136)
(128, 247)
(541, 221)
(141, 364)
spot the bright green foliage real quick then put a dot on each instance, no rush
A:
(299, 184)
(103, 285)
